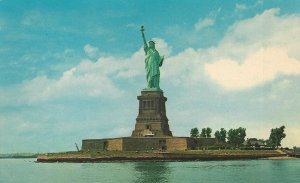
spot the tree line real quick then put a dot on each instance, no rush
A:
(236, 137)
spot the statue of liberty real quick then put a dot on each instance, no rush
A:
(152, 63)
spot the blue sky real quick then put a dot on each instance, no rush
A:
(71, 70)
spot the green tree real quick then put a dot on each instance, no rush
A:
(221, 135)
(218, 135)
(203, 132)
(276, 135)
(208, 132)
(236, 136)
(194, 132)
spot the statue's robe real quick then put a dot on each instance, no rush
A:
(152, 63)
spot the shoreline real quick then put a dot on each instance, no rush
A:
(282, 158)
(213, 155)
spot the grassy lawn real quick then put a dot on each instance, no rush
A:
(227, 151)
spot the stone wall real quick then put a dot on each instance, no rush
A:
(115, 144)
(142, 144)
(177, 143)
(93, 144)
(146, 143)
(102, 144)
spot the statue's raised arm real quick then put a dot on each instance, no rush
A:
(144, 38)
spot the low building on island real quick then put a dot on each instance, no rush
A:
(296, 150)
(254, 142)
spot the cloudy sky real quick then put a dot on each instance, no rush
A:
(71, 70)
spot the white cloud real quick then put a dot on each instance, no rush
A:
(207, 21)
(257, 50)
(203, 23)
(74, 83)
(262, 31)
(131, 25)
(253, 52)
(291, 139)
(242, 7)
(260, 67)
(162, 47)
(183, 69)
(91, 51)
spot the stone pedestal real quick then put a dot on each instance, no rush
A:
(152, 120)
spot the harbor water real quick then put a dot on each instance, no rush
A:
(28, 171)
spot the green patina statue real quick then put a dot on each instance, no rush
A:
(152, 63)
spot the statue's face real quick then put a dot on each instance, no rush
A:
(151, 44)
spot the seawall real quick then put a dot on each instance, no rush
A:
(158, 156)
